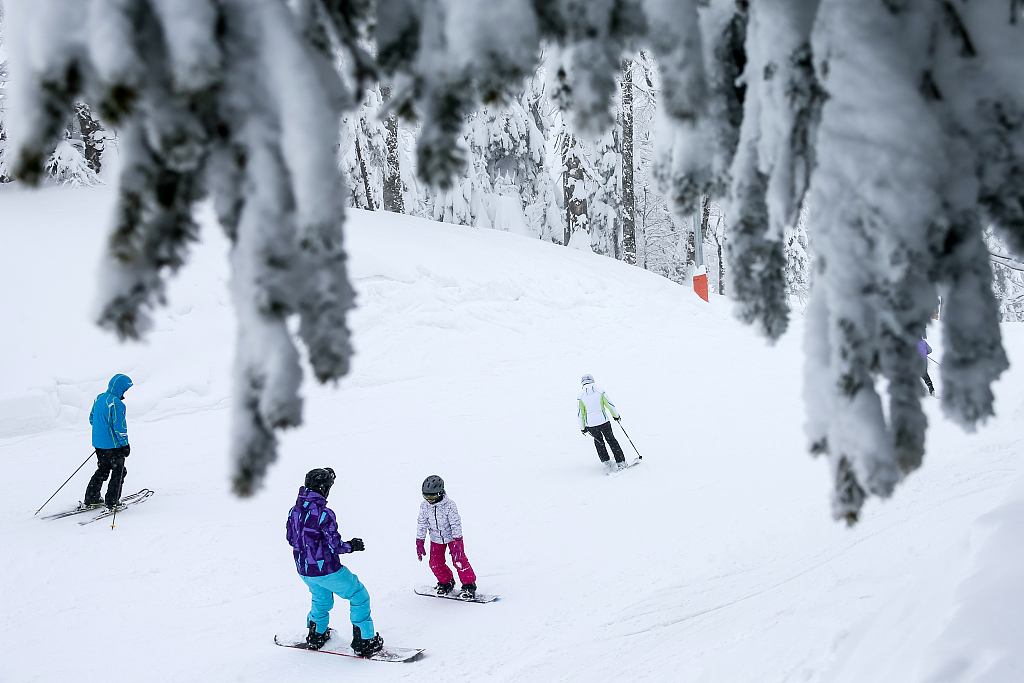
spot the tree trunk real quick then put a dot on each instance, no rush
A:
(721, 263)
(393, 200)
(628, 196)
(91, 131)
(705, 217)
(366, 178)
(575, 208)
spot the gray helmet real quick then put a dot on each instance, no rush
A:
(587, 379)
(433, 485)
(320, 480)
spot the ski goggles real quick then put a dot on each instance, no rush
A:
(433, 497)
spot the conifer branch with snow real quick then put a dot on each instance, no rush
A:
(902, 123)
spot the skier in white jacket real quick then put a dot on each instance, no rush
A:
(595, 415)
(440, 516)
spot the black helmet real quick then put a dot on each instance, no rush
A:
(433, 488)
(320, 480)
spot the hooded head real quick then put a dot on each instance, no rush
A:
(587, 379)
(119, 384)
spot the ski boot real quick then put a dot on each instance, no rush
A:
(468, 591)
(314, 640)
(91, 506)
(609, 467)
(621, 465)
(363, 647)
(445, 588)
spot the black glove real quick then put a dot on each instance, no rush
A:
(618, 418)
(356, 544)
(127, 449)
(583, 431)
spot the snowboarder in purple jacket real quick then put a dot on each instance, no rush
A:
(312, 531)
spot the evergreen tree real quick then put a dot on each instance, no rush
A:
(574, 187)
(875, 112)
(363, 152)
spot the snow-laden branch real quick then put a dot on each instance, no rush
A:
(902, 123)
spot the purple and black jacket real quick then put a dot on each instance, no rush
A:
(313, 535)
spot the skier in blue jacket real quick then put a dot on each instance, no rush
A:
(312, 532)
(110, 439)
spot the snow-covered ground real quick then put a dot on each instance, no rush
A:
(715, 560)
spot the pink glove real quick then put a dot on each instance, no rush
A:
(421, 551)
(458, 551)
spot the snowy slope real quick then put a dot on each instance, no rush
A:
(715, 560)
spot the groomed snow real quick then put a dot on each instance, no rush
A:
(715, 560)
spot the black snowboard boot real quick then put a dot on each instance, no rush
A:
(365, 648)
(468, 591)
(445, 588)
(315, 640)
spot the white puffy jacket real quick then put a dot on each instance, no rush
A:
(441, 519)
(594, 407)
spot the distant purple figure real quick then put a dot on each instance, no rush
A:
(924, 349)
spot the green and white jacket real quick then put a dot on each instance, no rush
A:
(594, 407)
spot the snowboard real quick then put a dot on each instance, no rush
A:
(337, 646)
(632, 464)
(80, 509)
(137, 498)
(431, 592)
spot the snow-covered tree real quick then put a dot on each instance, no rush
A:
(1007, 279)
(363, 152)
(234, 100)
(798, 259)
(4, 175)
(605, 204)
(902, 122)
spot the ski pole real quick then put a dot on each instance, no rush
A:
(935, 361)
(64, 484)
(630, 440)
(114, 518)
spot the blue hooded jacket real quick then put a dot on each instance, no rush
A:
(312, 532)
(109, 426)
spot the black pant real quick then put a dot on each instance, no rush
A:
(605, 432)
(928, 381)
(108, 461)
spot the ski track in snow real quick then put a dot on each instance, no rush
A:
(715, 561)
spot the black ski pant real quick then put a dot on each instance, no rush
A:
(928, 382)
(603, 433)
(109, 461)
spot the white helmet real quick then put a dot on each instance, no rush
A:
(587, 379)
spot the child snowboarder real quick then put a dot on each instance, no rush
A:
(110, 439)
(594, 409)
(317, 547)
(440, 516)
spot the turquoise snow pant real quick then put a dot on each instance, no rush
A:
(346, 585)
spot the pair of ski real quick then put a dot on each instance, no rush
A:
(388, 654)
(620, 469)
(126, 501)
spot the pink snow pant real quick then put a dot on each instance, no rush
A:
(459, 559)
